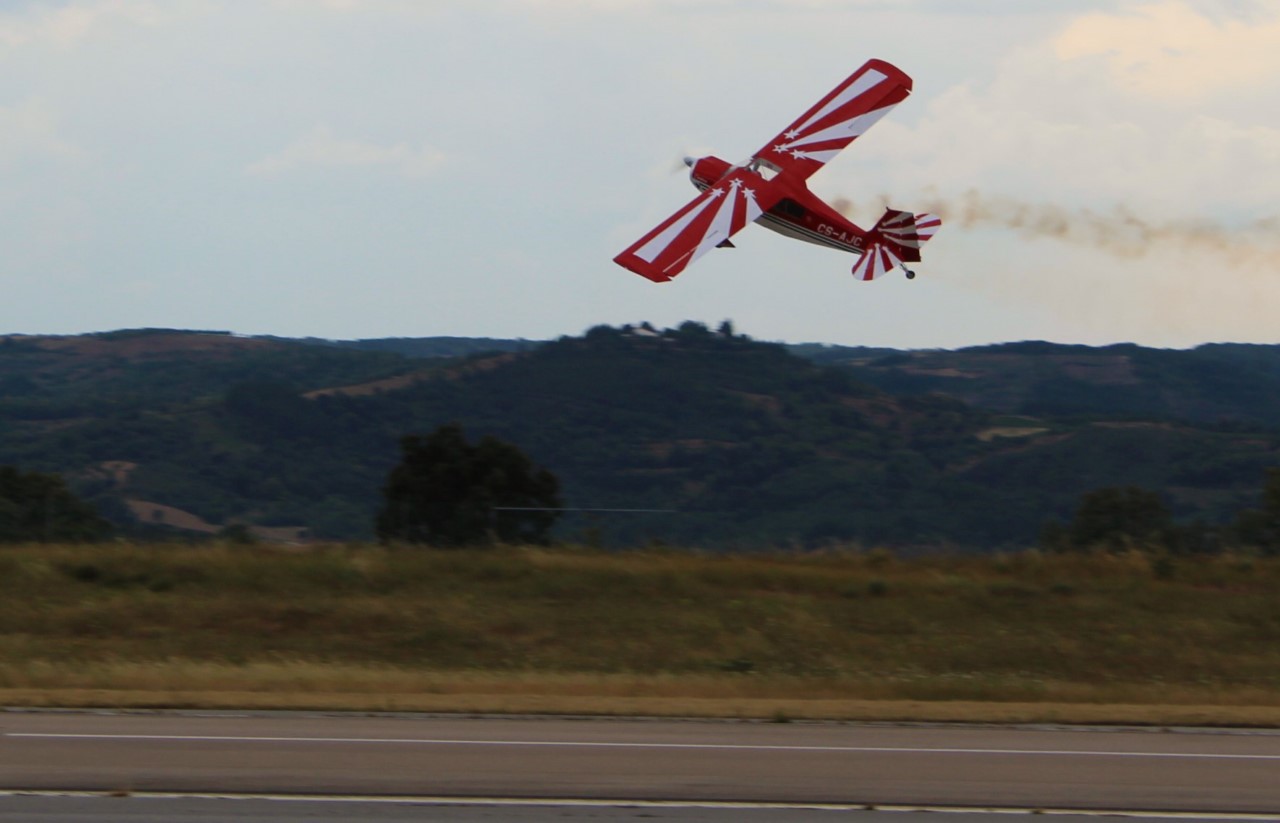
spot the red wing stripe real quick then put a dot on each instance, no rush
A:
(702, 225)
(848, 130)
(855, 90)
(660, 241)
(721, 228)
(838, 119)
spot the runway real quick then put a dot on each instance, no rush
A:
(135, 809)
(654, 760)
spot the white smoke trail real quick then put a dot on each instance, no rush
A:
(1119, 231)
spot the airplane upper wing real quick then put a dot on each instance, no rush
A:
(707, 221)
(836, 120)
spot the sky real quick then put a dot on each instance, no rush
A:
(1108, 171)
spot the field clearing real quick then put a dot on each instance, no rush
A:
(835, 635)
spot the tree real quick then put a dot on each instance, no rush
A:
(1260, 527)
(39, 508)
(1117, 517)
(447, 492)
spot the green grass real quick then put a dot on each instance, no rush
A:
(288, 627)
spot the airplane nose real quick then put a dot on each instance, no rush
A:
(689, 161)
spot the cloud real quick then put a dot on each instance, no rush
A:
(67, 25)
(409, 7)
(321, 149)
(1173, 51)
(1051, 125)
(30, 131)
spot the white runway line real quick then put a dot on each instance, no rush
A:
(589, 744)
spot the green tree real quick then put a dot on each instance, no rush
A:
(39, 508)
(447, 492)
(1260, 527)
(1117, 517)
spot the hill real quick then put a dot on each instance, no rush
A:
(419, 346)
(1215, 383)
(1220, 383)
(736, 443)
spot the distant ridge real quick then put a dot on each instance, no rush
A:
(749, 443)
(422, 346)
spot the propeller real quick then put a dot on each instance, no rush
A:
(686, 161)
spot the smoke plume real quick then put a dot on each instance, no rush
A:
(1119, 230)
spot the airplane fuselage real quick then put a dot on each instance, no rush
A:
(800, 214)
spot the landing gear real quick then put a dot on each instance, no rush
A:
(910, 274)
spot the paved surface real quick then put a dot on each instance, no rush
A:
(641, 759)
(102, 809)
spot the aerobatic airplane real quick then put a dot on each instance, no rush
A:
(769, 188)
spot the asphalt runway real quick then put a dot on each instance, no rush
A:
(104, 809)
(657, 760)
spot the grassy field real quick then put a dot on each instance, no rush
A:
(1023, 637)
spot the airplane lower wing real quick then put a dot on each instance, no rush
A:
(709, 220)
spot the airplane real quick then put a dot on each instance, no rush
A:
(769, 189)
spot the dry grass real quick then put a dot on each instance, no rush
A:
(842, 634)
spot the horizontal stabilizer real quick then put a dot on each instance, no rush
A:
(927, 226)
(876, 261)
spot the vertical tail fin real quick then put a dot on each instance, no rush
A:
(895, 240)
(906, 230)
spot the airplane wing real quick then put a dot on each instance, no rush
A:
(836, 120)
(707, 221)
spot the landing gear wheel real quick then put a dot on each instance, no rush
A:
(910, 274)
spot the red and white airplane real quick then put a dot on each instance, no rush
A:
(770, 189)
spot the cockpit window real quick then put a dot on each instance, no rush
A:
(763, 168)
(789, 208)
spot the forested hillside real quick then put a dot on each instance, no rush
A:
(1215, 383)
(736, 443)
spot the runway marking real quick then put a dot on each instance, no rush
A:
(620, 803)
(591, 744)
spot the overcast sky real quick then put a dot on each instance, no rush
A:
(1108, 170)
